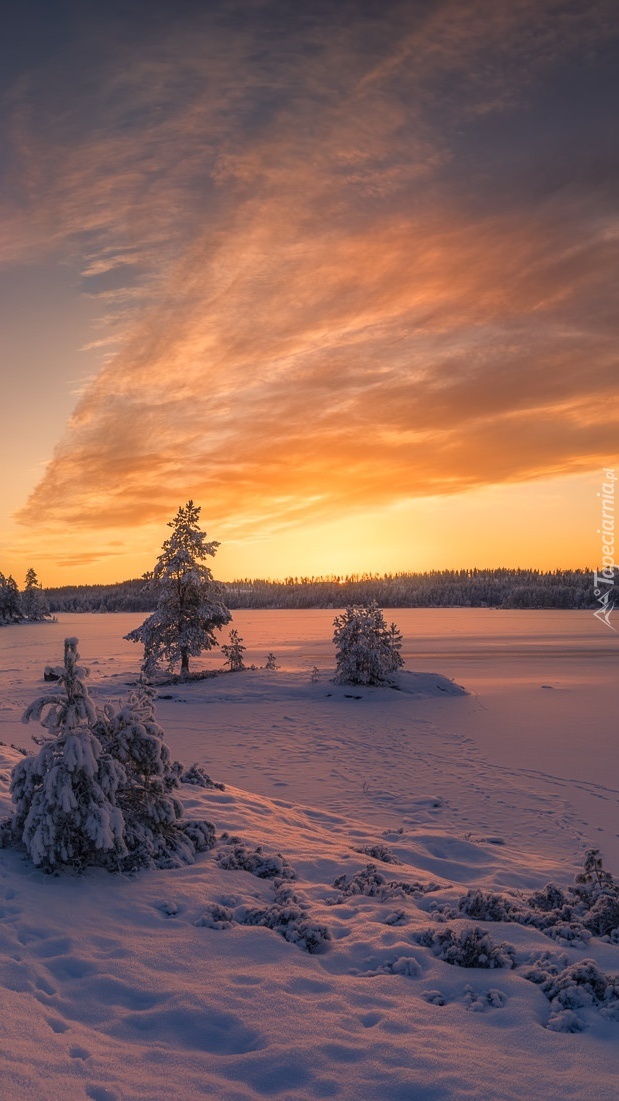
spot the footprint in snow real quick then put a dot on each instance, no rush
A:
(77, 1052)
(57, 1025)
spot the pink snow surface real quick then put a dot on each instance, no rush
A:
(115, 989)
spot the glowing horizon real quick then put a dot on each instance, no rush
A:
(347, 280)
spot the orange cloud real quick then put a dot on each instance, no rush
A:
(310, 314)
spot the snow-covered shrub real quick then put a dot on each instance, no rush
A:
(288, 917)
(237, 856)
(486, 906)
(479, 1002)
(602, 918)
(398, 917)
(233, 652)
(434, 997)
(271, 662)
(168, 908)
(200, 834)
(196, 775)
(189, 605)
(471, 947)
(569, 917)
(369, 881)
(215, 916)
(408, 966)
(572, 987)
(548, 898)
(367, 650)
(379, 852)
(99, 791)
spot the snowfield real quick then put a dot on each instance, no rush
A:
(372, 844)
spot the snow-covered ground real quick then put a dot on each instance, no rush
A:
(159, 987)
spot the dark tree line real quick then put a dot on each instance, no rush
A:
(500, 588)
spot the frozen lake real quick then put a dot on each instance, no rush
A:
(544, 690)
(480, 643)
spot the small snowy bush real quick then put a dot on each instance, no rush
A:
(572, 987)
(467, 948)
(271, 662)
(379, 852)
(479, 1002)
(369, 881)
(367, 651)
(288, 917)
(485, 906)
(591, 908)
(195, 775)
(215, 916)
(237, 856)
(233, 652)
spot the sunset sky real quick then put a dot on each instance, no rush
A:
(345, 273)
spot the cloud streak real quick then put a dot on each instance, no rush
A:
(312, 313)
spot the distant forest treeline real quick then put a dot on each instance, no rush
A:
(501, 588)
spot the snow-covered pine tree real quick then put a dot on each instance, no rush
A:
(233, 652)
(65, 807)
(33, 602)
(189, 605)
(154, 833)
(99, 792)
(367, 650)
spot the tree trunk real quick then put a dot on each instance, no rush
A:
(184, 661)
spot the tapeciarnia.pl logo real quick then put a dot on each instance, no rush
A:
(604, 581)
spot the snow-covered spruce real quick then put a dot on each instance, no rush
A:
(10, 601)
(189, 605)
(99, 791)
(33, 601)
(66, 812)
(154, 832)
(367, 650)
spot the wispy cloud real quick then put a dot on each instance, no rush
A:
(312, 312)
